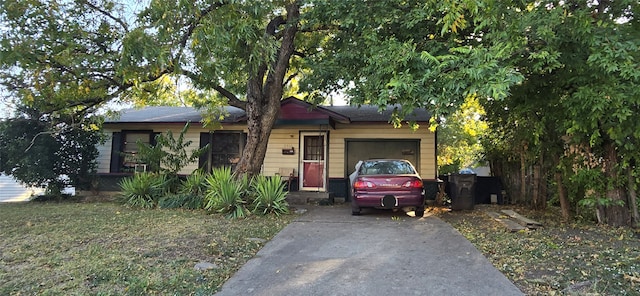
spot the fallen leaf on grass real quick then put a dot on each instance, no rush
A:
(631, 278)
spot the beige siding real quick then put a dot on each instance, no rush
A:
(380, 131)
(282, 138)
(193, 135)
(288, 137)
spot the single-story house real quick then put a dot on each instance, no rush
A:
(319, 145)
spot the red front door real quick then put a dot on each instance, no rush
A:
(312, 164)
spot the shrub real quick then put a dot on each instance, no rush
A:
(195, 184)
(143, 189)
(169, 154)
(269, 195)
(225, 194)
(190, 194)
(52, 151)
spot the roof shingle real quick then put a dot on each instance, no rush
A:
(167, 114)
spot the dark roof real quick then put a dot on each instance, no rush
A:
(167, 114)
(368, 113)
(365, 113)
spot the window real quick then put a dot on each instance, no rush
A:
(225, 149)
(130, 156)
(384, 167)
(124, 151)
(314, 147)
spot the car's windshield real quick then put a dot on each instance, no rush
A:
(386, 167)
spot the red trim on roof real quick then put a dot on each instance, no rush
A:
(294, 111)
(294, 108)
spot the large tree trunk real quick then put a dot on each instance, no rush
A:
(261, 116)
(264, 95)
(614, 214)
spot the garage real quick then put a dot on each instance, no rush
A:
(362, 149)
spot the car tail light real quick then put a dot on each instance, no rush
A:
(413, 184)
(359, 184)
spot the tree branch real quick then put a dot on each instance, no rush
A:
(291, 77)
(326, 27)
(274, 24)
(281, 64)
(33, 140)
(192, 26)
(232, 98)
(109, 15)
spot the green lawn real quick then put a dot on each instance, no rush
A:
(108, 249)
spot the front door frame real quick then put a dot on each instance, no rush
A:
(322, 162)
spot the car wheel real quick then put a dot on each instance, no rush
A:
(419, 212)
(355, 211)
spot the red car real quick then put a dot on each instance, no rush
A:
(386, 184)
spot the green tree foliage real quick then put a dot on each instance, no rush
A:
(58, 63)
(38, 151)
(580, 61)
(73, 56)
(62, 56)
(551, 75)
(420, 54)
(459, 135)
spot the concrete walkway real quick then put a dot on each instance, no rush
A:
(327, 251)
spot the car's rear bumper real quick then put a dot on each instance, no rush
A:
(376, 200)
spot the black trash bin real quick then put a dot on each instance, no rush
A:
(431, 189)
(462, 191)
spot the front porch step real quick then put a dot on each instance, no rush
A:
(306, 197)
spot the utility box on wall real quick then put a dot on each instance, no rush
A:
(288, 151)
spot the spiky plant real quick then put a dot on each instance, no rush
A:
(142, 190)
(195, 184)
(269, 195)
(225, 194)
(191, 192)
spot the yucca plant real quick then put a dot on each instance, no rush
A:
(193, 190)
(225, 194)
(269, 195)
(142, 190)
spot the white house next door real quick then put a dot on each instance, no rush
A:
(313, 168)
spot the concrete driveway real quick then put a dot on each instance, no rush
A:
(327, 251)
